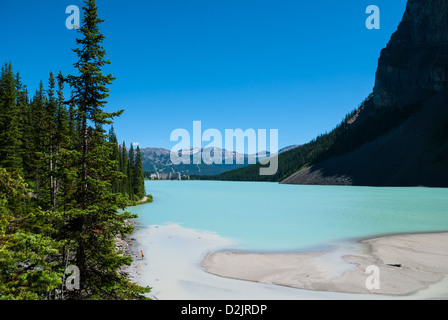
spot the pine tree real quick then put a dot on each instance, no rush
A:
(10, 135)
(62, 115)
(98, 221)
(73, 123)
(38, 137)
(115, 156)
(78, 179)
(51, 149)
(27, 269)
(124, 163)
(130, 173)
(23, 106)
(139, 182)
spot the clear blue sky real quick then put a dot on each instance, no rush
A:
(295, 66)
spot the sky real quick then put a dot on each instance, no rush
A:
(295, 66)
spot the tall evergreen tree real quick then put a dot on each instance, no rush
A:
(139, 182)
(38, 132)
(115, 157)
(51, 148)
(124, 163)
(23, 106)
(73, 123)
(63, 121)
(78, 179)
(10, 135)
(130, 173)
(98, 221)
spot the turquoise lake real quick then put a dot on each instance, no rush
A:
(264, 216)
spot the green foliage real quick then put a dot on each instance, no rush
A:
(27, 267)
(10, 135)
(131, 182)
(147, 199)
(139, 181)
(98, 221)
(68, 211)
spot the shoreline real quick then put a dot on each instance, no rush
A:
(174, 268)
(407, 263)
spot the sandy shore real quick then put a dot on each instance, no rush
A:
(406, 264)
(185, 264)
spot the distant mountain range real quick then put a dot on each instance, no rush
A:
(159, 160)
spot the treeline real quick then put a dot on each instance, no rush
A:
(65, 182)
(370, 123)
(128, 162)
(36, 132)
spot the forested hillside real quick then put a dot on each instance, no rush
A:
(359, 126)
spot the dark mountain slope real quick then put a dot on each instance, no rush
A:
(412, 70)
(414, 154)
(398, 136)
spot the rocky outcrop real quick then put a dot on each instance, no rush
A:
(415, 60)
(412, 70)
(414, 154)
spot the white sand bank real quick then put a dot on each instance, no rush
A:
(173, 257)
(406, 264)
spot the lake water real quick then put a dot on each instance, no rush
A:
(263, 216)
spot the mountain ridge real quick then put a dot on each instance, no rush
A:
(412, 70)
(159, 160)
(399, 134)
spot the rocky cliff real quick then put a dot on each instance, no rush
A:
(412, 70)
(415, 60)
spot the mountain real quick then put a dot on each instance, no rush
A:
(412, 71)
(399, 134)
(415, 60)
(288, 148)
(159, 160)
